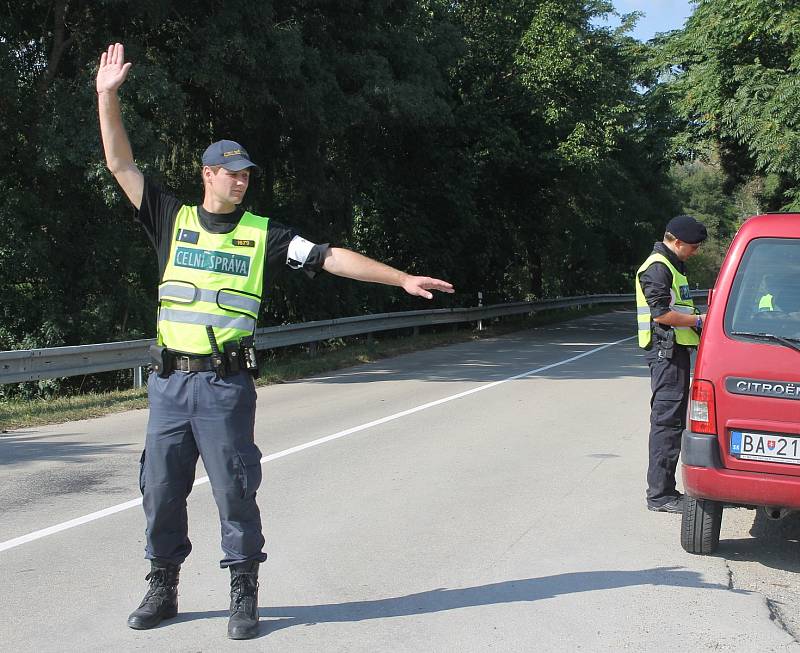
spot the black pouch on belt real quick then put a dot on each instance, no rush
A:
(232, 356)
(665, 341)
(247, 348)
(160, 360)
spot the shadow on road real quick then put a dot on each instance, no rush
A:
(774, 544)
(26, 448)
(441, 599)
(492, 360)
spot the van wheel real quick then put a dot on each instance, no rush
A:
(700, 525)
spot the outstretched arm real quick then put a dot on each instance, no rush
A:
(346, 263)
(119, 156)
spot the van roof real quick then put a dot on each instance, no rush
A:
(775, 225)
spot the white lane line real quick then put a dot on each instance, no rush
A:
(51, 530)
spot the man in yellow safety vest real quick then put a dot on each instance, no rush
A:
(215, 261)
(669, 328)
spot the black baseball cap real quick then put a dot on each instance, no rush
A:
(228, 154)
(687, 229)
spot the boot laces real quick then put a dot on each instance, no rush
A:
(159, 586)
(243, 590)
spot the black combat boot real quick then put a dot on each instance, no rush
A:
(161, 600)
(243, 622)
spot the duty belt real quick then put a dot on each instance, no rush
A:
(235, 356)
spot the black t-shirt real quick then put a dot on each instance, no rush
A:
(285, 248)
(656, 281)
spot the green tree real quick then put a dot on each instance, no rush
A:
(732, 74)
(508, 146)
(565, 165)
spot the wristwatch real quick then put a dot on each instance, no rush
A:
(698, 324)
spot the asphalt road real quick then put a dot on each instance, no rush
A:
(486, 496)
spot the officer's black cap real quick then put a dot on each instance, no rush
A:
(228, 154)
(687, 229)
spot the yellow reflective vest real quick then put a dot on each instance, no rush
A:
(765, 303)
(211, 279)
(680, 301)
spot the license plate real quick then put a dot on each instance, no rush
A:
(766, 446)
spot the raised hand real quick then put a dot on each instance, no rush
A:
(113, 69)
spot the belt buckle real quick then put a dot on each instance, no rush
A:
(188, 363)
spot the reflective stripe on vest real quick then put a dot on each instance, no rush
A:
(211, 280)
(683, 335)
(224, 298)
(247, 324)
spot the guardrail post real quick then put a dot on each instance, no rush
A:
(480, 303)
(138, 377)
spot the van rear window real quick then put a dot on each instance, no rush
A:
(765, 296)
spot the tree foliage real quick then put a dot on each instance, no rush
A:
(734, 80)
(505, 146)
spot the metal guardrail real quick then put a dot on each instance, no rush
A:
(35, 364)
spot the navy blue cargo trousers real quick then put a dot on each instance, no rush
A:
(669, 382)
(201, 414)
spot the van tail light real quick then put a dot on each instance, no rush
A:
(702, 408)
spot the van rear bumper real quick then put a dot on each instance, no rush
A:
(704, 477)
(700, 450)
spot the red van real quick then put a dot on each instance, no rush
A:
(742, 444)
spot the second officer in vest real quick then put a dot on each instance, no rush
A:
(669, 328)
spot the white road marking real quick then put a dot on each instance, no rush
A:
(51, 530)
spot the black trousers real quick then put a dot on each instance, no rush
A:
(669, 382)
(200, 414)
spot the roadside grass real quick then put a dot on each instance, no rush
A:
(282, 365)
